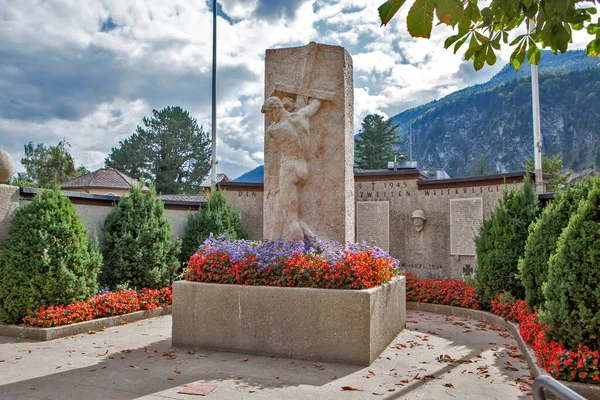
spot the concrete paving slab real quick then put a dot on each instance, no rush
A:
(436, 357)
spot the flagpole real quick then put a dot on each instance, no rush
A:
(213, 180)
(537, 132)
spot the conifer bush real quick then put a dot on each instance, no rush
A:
(543, 235)
(139, 251)
(47, 259)
(501, 243)
(218, 217)
(572, 308)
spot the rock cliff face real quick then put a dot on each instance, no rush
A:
(488, 128)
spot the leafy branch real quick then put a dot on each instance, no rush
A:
(547, 24)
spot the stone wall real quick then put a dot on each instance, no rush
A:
(92, 209)
(439, 249)
(248, 199)
(428, 252)
(9, 201)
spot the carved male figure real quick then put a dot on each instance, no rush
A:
(291, 133)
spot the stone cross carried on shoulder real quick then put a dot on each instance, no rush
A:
(309, 144)
(304, 92)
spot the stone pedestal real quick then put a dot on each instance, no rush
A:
(325, 202)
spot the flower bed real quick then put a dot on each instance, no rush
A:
(99, 306)
(573, 365)
(579, 365)
(450, 292)
(309, 263)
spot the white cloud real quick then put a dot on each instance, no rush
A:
(89, 74)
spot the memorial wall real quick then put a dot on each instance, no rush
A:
(428, 225)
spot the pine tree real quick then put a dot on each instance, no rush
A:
(170, 149)
(374, 145)
(139, 251)
(47, 259)
(218, 217)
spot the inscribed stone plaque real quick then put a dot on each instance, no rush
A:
(373, 222)
(466, 217)
(309, 190)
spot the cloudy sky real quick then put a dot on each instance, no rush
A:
(88, 71)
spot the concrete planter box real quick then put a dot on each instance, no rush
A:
(328, 325)
(43, 334)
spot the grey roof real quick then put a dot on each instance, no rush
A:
(220, 177)
(102, 178)
(184, 197)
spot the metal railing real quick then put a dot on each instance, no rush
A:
(544, 383)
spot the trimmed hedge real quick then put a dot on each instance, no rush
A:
(501, 243)
(139, 251)
(543, 235)
(47, 259)
(218, 217)
(572, 309)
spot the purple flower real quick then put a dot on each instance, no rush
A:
(273, 253)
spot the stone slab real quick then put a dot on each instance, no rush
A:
(44, 334)
(373, 222)
(328, 325)
(466, 217)
(326, 198)
(9, 202)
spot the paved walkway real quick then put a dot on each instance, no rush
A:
(137, 361)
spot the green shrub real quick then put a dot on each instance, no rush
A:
(47, 259)
(572, 308)
(541, 243)
(501, 243)
(218, 217)
(139, 251)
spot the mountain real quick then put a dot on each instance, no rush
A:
(489, 126)
(255, 175)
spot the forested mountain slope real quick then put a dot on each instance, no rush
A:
(488, 127)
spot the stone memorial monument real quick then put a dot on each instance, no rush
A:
(309, 144)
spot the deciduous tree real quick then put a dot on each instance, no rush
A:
(488, 28)
(48, 166)
(551, 165)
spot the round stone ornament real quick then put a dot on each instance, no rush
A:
(7, 166)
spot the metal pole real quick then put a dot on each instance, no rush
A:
(213, 164)
(410, 143)
(537, 133)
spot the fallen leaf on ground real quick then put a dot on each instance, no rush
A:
(169, 379)
(377, 394)
(349, 388)
(244, 360)
(391, 389)
(251, 391)
(333, 378)
(448, 385)
(177, 371)
(371, 372)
